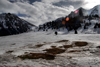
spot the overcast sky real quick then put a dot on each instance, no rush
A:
(41, 11)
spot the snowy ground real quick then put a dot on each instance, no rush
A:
(15, 45)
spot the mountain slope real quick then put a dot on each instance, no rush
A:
(79, 12)
(80, 21)
(83, 12)
(11, 24)
(95, 11)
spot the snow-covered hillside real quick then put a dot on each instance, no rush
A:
(85, 27)
(84, 12)
(11, 24)
(94, 11)
(91, 12)
(80, 21)
(35, 43)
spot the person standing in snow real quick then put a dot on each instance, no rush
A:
(56, 32)
(76, 32)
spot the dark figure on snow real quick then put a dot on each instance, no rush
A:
(56, 33)
(76, 32)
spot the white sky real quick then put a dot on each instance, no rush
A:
(91, 3)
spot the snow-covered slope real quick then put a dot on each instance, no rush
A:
(79, 12)
(95, 11)
(80, 20)
(11, 24)
(13, 46)
(85, 27)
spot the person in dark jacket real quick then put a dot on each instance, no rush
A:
(56, 32)
(76, 32)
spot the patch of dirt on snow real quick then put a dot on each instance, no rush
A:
(39, 45)
(61, 41)
(13, 44)
(54, 50)
(80, 43)
(67, 46)
(47, 42)
(53, 46)
(71, 51)
(60, 46)
(10, 51)
(36, 46)
(37, 56)
(98, 47)
(51, 53)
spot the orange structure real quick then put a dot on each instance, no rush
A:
(67, 19)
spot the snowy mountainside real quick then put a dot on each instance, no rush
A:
(84, 27)
(95, 11)
(91, 12)
(80, 20)
(79, 12)
(11, 24)
(84, 12)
